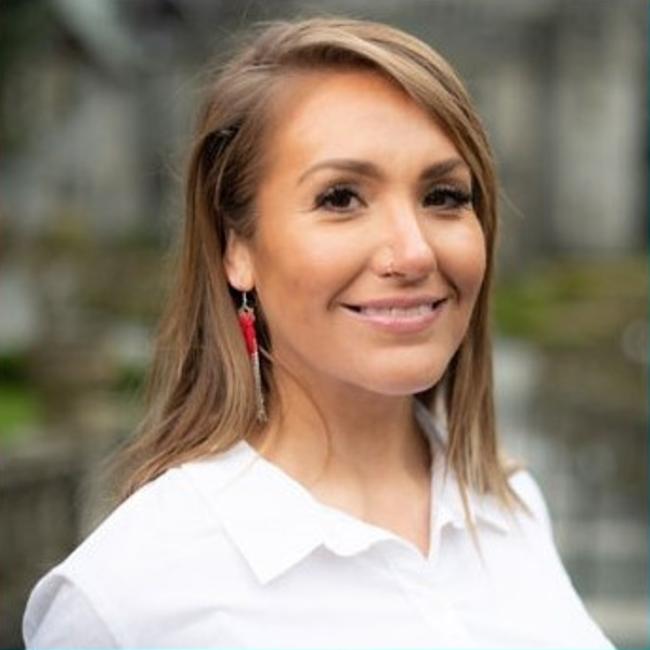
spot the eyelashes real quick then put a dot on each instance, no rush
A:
(344, 197)
(338, 198)
(449, 196)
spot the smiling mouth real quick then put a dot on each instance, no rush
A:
(397, 313)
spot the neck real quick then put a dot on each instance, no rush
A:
(351, 440)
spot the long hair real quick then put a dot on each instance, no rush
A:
(201, 389)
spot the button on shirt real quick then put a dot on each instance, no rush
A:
(231, 552)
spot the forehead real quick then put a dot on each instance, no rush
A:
(350, 113)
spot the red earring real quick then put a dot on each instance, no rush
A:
(246, 315)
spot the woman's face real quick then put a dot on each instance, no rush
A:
(368, 255)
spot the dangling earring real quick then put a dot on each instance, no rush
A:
(246, 315)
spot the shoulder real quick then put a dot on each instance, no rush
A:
(525, 485)
(529, 577)
(164, 514)
(529, 518)
(161, 515)
(59, 614)
(532, 525)
(138, 556)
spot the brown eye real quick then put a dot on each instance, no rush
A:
(447, 197)
(338, 198)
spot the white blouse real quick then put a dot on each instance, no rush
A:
(231, 552)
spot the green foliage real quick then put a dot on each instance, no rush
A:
(129, 380)
(13, 368)
(19, 411)
(20, 406)
(573, 303)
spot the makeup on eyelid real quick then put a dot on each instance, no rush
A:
(458, 197)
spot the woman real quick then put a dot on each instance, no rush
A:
(321, 467)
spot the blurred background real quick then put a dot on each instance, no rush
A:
(97, 99)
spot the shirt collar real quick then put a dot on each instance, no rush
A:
(275, 522)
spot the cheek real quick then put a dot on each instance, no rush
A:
(462, 256)
(298, 276)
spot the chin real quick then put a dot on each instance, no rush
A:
(401, 386)
(399, 379)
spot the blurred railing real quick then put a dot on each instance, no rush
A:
(39, 511)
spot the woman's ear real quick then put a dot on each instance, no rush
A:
(238, 263)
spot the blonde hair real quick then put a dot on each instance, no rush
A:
(201, 386)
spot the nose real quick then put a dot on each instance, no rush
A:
(406, 249)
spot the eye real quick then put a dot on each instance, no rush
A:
(448, 197)
(338, 198)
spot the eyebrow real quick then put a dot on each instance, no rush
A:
(365, 168)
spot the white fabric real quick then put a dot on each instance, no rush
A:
(231, 552)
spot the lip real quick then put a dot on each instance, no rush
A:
(399, 324)
(403, 302)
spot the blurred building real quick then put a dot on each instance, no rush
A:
(96, 109)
